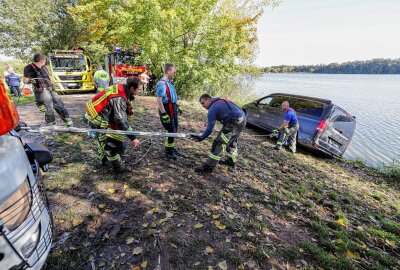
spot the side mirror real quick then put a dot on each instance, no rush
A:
(39, 153)
(257, 103)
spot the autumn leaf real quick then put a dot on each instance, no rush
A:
(130, 240)
(137, 250)
(111, 190)
(219, 225)
(215, 216)
(169, 214)
(209, 250)
(392, 244)
(231, 216)
(222, 265)
(144, 264)
(198, 226)
(101, 206)
(76, 222)
(340, 221)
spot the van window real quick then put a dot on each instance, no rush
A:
(265, 101)
(308, 107)
(300, 105)
(342, 123)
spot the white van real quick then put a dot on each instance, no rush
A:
(25, 218)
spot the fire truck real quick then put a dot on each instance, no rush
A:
(122, 65)
(72, 71)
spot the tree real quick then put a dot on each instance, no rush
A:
(27, 26)
(205, 38)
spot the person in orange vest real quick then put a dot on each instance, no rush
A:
(109, 109)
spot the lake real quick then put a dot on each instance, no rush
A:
(373, 99)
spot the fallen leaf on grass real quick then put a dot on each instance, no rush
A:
(352, 255)
(76, 222)
(392, 244)
(209, 268)
(215, 216)
(101, 206)
(222, 265)
(198, 226)
(251, 234)
(231, 216)
(144, 264)
(219, 225)
(209, 250)
(130, 240)
(169, 214)
(111, 190)
(340, 221)
(136, 268)
(249, 205)
(137, 250)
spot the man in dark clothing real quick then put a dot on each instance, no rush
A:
(46, 98)
(109, 109)
(13, 82)
(233, 121)
(168, 108)
(289, 128)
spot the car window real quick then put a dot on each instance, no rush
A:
(277, 101)
(307, 106)
(342, 123)
(265, 101)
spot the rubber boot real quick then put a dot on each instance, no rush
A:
(118, 167)
(204, 168)
(228, 162)
(170, 153)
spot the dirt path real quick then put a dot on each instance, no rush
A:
(274, 211)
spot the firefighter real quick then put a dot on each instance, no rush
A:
(101, 78)
(110, 109)
(168, 108)
(233, 121)
(288, 130)
(46, 97)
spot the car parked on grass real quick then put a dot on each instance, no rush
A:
(25, 217)
(324, 126)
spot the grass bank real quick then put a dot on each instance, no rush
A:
(279, 211)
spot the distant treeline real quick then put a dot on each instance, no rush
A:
(375, 66)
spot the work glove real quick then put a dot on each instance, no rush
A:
(180, 111)
(42, 108)
(275, 132)
(165, 118)
(196, 138)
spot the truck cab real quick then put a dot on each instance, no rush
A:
(125, 64)
(25, 217)
(71, 71)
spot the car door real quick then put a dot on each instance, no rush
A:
(339, 130)
(256, 113)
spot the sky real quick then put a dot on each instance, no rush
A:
(305, 32)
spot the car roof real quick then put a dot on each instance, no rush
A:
(321, 100)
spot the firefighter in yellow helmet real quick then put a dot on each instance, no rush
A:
(110, 109)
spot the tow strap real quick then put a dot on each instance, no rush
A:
(41, 129)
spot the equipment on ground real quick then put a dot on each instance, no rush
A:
(71, 71)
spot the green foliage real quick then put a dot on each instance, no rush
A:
(206, 39)
(375, 66)
(28, 26)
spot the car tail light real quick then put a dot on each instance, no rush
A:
(321, 125)
(8, 113)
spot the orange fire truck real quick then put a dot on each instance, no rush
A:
(124, 64)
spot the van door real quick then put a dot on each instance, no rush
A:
(338, 132)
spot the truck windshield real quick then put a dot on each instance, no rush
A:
(68, 63)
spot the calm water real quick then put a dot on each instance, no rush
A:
(373, 99)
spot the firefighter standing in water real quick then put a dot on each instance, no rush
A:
(233, 121)
(168, 108)
(110, 109)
